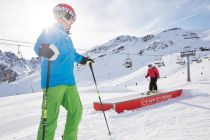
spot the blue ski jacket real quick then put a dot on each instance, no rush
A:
(61, 72)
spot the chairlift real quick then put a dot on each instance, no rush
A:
(179, 59)
(19, 54)
(141, 52)
(196, 59)
(181, 62)
(127, 62)
(199, 60)
(160, 62)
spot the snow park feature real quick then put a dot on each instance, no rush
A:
(136, 101)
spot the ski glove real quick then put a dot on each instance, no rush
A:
(49, 51)
(86, 60)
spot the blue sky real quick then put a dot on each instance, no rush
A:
(101, 20)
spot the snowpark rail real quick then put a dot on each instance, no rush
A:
(135, 101)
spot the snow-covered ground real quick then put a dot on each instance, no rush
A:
(183, 118)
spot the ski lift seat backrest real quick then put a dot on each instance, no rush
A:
(159, 64)
(128, 60)
(128, 63)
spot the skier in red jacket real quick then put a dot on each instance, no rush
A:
(154, 75)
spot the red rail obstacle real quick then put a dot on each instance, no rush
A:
(135, 101)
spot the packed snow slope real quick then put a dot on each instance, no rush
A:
(183, 118)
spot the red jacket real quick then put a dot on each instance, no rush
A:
(153, 73)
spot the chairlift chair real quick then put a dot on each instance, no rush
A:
(199, 60)
(128, 62)
(19, 54)
(182, 63)
(160, 64)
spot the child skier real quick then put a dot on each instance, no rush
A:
(56, 46)
(154, 75)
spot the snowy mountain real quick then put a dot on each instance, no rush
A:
(14, 72)
(156, 49)
(162, 49)
(12, 67)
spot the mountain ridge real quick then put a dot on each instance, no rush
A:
(111, 58)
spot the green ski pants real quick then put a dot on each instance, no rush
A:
(68, 97)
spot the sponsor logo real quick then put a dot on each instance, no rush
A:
(154, 100)
(63, 10)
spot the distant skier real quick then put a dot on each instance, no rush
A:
(154, 75)
(56, 46)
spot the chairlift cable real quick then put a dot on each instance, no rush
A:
(8, 44)
(9, 40)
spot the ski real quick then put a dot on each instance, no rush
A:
(152, 92)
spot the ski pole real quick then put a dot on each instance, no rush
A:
(91, 68)
(163, 77)
(148, 80)
(45, 101)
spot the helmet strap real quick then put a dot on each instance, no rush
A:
(68, 26)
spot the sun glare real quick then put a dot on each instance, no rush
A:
(34, 18)
(40, 16)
